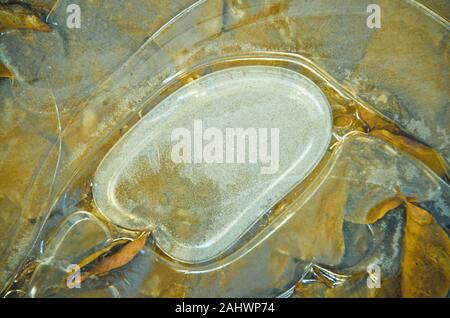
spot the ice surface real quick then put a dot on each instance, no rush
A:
(411, 91)
(200, 209)
(77, 236)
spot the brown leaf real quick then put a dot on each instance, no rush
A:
(379, 210)
(374, 120)
(5, 72)
(17, 16)
(426, 250)
(426, 255)
(387, 130)
(425, 263)
(118, 259)
(97, 254)
(427, 155)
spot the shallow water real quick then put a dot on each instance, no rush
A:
(201, 205)
(317, 223)
(322, 232)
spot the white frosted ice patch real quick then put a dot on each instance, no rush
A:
(200, 209)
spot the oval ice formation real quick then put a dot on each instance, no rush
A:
(212, 158)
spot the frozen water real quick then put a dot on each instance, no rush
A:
(77, 236)
(200, 209)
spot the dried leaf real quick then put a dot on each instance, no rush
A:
(426, 255)
(92, 257)
(425, 264)
(17, 16)
(379, 210)
(387, 130)
(426, 250)
(375, 121)
(118, 259)
(5, 72)
(427, 155)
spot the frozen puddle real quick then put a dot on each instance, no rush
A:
(178, 170)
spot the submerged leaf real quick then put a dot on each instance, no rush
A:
(5, 72)
(379, 210)
(375, 121)
(426, 255)
(425, 263)
(116, 260)
(426, 250)
(17, 16)
(92, 257)
(427, 155)
(385, 129)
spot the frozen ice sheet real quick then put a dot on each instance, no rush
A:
(75, 238)
(200, 209)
